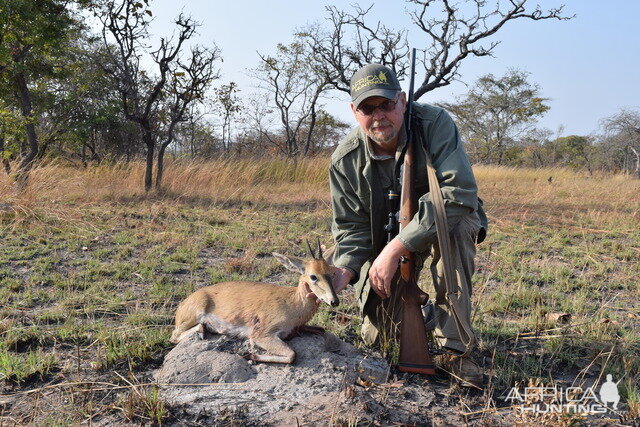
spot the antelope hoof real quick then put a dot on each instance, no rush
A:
(201, 331)
(252, 358)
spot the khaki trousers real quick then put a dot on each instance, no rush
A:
(381, 317)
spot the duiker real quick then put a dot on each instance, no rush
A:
(265, 313)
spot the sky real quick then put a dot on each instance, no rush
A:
(588, 67)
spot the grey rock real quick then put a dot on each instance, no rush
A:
(281, 393)
(196, 361)
(373, 370)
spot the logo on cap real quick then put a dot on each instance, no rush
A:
(366, 81)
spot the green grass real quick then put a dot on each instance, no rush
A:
(132, 347)
(142, 404)
(21, 367)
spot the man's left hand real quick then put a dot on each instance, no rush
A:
(384, 267)
(310, 294)
(341, 278)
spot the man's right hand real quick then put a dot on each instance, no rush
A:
(384, 267)
(341, 278)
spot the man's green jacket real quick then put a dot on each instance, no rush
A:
(356, 199)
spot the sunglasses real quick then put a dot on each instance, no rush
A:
(386, 106)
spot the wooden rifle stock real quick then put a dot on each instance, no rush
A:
(414, 350)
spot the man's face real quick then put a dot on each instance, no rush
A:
(380, 125)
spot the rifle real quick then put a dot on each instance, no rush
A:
(414, 350)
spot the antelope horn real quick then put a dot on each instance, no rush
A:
(310, 250)
(319, 249)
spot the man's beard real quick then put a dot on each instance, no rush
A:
(385, 138)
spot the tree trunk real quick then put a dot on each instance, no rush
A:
(22, 90)
(292, 144)
(192, 141)
(637, 154)
(148, 173)
(625, 162)
(160, 166)
(500, 153)
(5, 161)
(312, 125)
(225, 141)
(129, 146)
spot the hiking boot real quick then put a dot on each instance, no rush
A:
(465, 369)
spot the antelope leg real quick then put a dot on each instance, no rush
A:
(277, 350)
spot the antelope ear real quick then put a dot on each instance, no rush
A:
(290, 262)
(327, 254)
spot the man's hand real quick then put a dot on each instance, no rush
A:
(384, 267)
(310, 293)
(341, 278)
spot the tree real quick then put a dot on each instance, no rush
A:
(534, 149)
(496, 113)
(453, 35)
(258, 134)
(78, 113)
(573, 151)
(187, 84)
(228, 105)
(33, 35)
(11, 124)
(294, 86)
(327, 133)
(350, 43)
(196, 136)
(454, 31)
(623, 131)
(145, 95)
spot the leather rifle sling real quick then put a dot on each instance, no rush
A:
(465, 330)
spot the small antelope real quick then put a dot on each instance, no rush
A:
(265, 313)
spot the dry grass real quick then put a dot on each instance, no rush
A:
(572, 199)
(214, 180)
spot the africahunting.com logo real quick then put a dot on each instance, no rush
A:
(566, 400)
(379, 79)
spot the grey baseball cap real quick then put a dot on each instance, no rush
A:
(373, 80)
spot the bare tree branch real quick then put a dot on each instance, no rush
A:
(144, 94)
(453, 31)
(294, 82)
(188, 82)
(453, 36)
(339, 56)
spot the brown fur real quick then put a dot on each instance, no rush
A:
(263, 312)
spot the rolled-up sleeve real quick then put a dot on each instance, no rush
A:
(456, 179)
(351, 227)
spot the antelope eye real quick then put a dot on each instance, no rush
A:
(313, 277)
